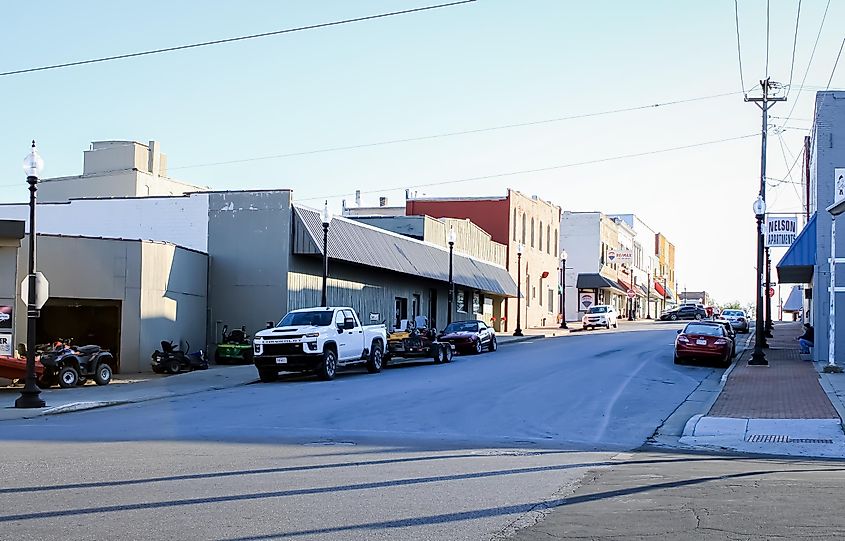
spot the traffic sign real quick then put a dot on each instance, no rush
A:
(771, 292)
(42, 290)
(631, 294)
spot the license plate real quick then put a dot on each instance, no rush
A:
(700, 342)
(281, 360)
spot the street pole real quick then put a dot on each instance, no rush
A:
(326, 219)
(518, 330)
(769, 324)
(563, 290)
(664, 293)
(451, 239)
(648, 292)
(30, 395)
(765, 102)
(758, 358)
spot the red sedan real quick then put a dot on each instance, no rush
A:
(704, 340)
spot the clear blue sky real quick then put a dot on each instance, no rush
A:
(488, 63)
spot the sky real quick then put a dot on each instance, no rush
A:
(468, 67)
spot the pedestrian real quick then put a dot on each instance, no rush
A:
(805, 341)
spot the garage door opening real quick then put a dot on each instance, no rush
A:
(85, 321)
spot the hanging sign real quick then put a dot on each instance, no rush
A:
(839, 184)
(6, 321)
(781, 230)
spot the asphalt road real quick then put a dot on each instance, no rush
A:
(468, 450)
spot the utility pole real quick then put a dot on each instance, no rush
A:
(765, 102)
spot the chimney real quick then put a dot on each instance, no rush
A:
(357, 198)
(154, 158)
(382, 201)
(407, 194)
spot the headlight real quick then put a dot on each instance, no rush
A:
(312, 335)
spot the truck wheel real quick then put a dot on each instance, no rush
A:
(68, 377)
(328, 367)
(374, 363)
(103, 374)
(268, 375)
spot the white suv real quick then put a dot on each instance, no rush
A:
(600, 315)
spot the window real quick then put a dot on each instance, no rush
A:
(523, 228)
(461, 303)
(532, 232)
(514, 225)
(527, 290)
(541, 236)
(415, 305)
(557, 243)
(551, 305)
(338, 318)
(400, 310)
(548, 239)
(476, 303)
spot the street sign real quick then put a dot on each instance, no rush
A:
(771, 292)
(42, 290)
(631, 294)
(780, 230)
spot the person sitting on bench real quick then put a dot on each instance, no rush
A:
(805, 341)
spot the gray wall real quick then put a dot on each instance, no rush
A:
(173, 298)
(828, 152)
(249, 248)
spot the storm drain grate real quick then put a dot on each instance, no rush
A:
(778, 438)
(767, 438)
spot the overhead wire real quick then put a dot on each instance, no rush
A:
(454, 133)
(231, 40)
(794, 43)
(738, 46)
(809, 63)
(835, 64)
(542, 169)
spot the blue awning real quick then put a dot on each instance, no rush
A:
(796, 265)
(795, 302)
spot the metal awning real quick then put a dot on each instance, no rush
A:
(596, 281)
(796, 265)
(795, 301)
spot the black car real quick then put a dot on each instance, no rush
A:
(684, 312)
(469, 336)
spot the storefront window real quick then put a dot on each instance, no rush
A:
(461, 301)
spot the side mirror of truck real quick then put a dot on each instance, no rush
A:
(270, 324)
(349, 323)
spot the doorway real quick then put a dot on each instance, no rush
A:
(84, 321)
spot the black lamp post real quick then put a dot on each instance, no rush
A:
(631, 290)
(451, 239)
(758, 358)
(29, 398)
(326, 219)
(563, 256)
(519, 248)
(664, 293)
(648, 287)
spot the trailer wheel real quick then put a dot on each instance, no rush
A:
(437, 354)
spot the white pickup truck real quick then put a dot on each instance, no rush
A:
(318, 340)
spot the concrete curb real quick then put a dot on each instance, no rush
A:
(518, 339)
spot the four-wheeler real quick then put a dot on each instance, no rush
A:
(173, 360)
(70, 365)
(414, 340)
(234, 348)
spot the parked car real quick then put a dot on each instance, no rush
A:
(471, 336)
(318, 340)
(600, 315)
(728, 329)
(738, 319)
(705, 340)
(687, 311)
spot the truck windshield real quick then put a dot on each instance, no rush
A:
(317, 318)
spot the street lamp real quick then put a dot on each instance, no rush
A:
(648, 286)
(451, 239)
(519, 249)
(631, 289)
(758, 358)
(563, 256)
(29, 398)
(326, 219)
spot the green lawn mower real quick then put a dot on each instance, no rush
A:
(234, 348)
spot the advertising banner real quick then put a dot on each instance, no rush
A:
(6, 321)
(585, 300)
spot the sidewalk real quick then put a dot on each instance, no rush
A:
(127, 389)
(784, 408)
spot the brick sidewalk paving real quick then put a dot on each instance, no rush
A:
(788, 388)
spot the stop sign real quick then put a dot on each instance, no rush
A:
(631, 294)
(771, 292)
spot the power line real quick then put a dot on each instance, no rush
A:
(451, 134)
(794, 43)
(810, 63)
(768, 24)
(835, 64)
(230, 40)
(543, 169)
(738, 47)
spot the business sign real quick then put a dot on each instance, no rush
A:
(6, 344)
(6, 321)
(781, 230)
(619, 256)
(375, 316)
(839, 184)
(585, 300)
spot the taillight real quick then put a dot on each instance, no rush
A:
(682, 338)
(720, 342)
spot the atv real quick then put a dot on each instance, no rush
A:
(234, 348)
(70, 365)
